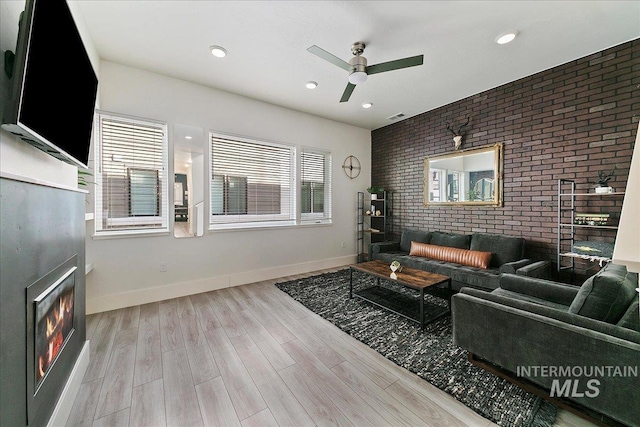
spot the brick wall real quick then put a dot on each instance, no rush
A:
(570, 122)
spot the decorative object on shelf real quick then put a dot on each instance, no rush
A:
(600, 252)
(367, 213)
(374, 190)
(395, 266)
(457, 134)
(591, 248)
(591, 219)
(378, 213)
(603, 182)
(351, 167)
(82, 178)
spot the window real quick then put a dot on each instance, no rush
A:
(251, 184)
(315, 182)
(131, 175)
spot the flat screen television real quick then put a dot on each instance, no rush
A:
(53, 85)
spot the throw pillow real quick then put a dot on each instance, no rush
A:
(504, 248)
(409, 236)
(452, 240)
(606, 295)
(444, 253)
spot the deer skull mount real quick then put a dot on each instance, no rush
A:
(457, 134)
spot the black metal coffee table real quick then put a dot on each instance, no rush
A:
(396, 302)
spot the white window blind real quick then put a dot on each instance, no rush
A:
(251, 183)
(315, 177)
(131, 175)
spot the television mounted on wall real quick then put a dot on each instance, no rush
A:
(53, 86)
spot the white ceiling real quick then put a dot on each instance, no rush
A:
(267, 45)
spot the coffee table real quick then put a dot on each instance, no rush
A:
(396, 302)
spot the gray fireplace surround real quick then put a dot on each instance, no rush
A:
(42, 232)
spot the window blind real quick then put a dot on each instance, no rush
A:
(251, 182)
(315, 177)
(131, 175)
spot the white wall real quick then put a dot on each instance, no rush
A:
(127, 271)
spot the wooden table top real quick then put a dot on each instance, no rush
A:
(410, 277)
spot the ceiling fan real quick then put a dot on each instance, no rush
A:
(357, 66)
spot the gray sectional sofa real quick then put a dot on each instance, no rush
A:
(507, 257)
(588, 331)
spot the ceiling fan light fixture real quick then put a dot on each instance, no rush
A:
(506, 37)
(311, 85)
(357, 77)
(366, 105)
(218, 51)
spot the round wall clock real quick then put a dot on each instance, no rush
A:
(351, 167)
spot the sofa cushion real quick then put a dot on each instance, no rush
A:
(530, 298)
(409, 236)
(444, 253)
(452, 240)
(606, 295)
(504, 248)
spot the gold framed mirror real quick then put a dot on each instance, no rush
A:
(466, 177)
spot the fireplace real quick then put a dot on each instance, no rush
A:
(51, 322)
(42, 282)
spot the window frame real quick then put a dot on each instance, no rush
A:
(251, 221)
(138, 225)
(308, 218)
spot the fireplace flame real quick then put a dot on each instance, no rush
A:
(58, 322)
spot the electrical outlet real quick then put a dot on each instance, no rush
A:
(163, 267)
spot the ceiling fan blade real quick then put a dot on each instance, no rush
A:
(329, 57)
(347, 92)
(395, 65)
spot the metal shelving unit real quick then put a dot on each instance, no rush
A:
(567, 228)
(360, 228)
(372, 228)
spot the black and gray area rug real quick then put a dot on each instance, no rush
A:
(430, 353)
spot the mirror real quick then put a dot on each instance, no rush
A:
(189, 146)
(465, 177)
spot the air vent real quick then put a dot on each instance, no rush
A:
(396, 116)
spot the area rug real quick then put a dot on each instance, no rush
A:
(429, 353)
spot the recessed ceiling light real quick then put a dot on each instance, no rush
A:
(188, 137)
(218, 51)
(507, 37)
(367, 105)
(311, 85)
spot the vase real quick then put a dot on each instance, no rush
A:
(604, 190)
(374, 196)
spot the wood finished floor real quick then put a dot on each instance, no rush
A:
(249, 356)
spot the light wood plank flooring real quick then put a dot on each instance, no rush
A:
(249, 356)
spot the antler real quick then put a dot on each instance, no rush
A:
(459, 132)
(449, 127)
(466, 123)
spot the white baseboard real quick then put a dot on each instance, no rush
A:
(71, 388)
(176, 290)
